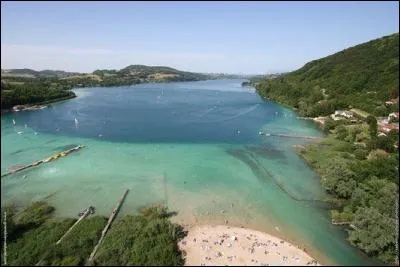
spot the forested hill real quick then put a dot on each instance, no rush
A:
(29, 73)
(363, 76)
(140, 73)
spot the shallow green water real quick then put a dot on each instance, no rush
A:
(194, 146)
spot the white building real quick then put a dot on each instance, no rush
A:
(344, 113)
(393, 115)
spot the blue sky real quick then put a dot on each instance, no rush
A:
(230, 37)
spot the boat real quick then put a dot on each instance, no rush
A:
(91, 210)
(13, 121)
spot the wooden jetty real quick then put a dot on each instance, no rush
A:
(110, 220)
(75, 224)
(305, 118)
(51, 158)
(341, 223)
(291, 136)
(344, 223)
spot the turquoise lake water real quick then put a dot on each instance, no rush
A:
(194, 146)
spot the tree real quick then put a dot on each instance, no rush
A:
(385, 143)
(394, 93)
(374, 233)
(341, 132)
(373, 126)
(339, 179)
(329, 125)
(360, 153)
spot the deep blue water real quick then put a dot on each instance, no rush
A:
(154, 113)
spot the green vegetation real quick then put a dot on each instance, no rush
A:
(357, 167)
(363, 77)
(32, 91)
(365, 182)
(246, 84)
(148, 238)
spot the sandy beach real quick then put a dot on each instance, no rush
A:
(224, 245)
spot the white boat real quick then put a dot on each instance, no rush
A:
(13, 121)
(19, 132)
(76, 121)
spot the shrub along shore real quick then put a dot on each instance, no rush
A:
(146, 238)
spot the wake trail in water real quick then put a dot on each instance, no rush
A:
(206, 112)
(244, 112)
(252, 108)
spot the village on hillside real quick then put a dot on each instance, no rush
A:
(356, 116)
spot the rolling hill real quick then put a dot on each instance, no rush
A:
(363, 76)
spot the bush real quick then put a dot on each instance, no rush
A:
(360, 153)
(75, 248)
(35, 214)
(149, 240)
(341, 132)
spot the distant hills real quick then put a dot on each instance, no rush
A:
(130, 74)
(29, 73)
(363, 76)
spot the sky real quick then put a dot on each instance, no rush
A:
(222, 37)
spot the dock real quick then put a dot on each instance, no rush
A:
(291, 136)
(75, 224)
(51, 158)
(110, 220)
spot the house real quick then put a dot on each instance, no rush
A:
(18, 107)
(386, 128)
(333, 116)
(394, 115)
(392, 102)
(344, 113)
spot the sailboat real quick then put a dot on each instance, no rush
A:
(76, 122)
(13, 121)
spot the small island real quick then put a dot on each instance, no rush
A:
(246, 84)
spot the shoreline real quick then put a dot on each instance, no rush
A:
(230, 245)
(28, 107)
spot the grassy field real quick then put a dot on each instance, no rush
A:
(360, 112)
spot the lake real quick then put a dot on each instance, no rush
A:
(194, 146)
